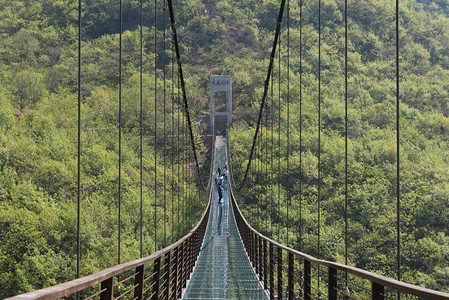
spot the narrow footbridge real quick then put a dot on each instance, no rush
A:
(223, 257)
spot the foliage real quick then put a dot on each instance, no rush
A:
(39, 131)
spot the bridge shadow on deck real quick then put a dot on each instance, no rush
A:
(223, 270)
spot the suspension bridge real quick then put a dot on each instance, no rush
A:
(223, 256)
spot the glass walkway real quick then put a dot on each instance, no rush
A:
(223, 270)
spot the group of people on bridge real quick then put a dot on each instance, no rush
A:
(220, 178)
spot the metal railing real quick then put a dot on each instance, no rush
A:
(162, 275)
(286, 273)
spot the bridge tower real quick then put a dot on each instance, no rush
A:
(220, 83)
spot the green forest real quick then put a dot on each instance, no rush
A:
(39, 131)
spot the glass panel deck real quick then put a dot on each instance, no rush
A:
(223, 270)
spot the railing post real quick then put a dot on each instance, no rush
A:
(332, 288)
(189, 257)
(167, 275)
(251, 252)
(260, 257)
(265, 267)
(307, 280)
(156, 278)
(182, 267)
(271, 272)
(175, 272)
(256, 254)
(138, 282)
(280, 293)
(108, 287)
(377, 291)
(291, 267)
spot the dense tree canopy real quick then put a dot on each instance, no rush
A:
(38, 131)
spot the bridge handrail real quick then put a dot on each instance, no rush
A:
(373, 277)
(76, 285)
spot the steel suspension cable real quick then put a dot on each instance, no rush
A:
(267, 80)
(184, 94)
(173, 143)
(178, 152)
(258, 165)
(346, 138)
(164, 134)
(272, 151)
(279, 141)
(319, 137)
(78, 234)
(120, 139)
(189, 174)
(155, 125)
(141, 128)
(300, 125)
(288, 116)
(398, 183)
(266, 167)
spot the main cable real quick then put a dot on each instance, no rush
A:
(184, 94)
(267, 80)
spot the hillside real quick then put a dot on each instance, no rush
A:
(38, 130)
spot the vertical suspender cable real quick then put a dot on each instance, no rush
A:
(120, 138)
(266, 169)
(300, 125)
(185, 183)
(190, 184)
(258, 178)
(279, 140)
(346, 131)
(78, 234)
(265, 91)
(178, 160)
(141, 129)
(398, 195)
(165, 131)
(288, 115)
(319, 134)
(184, 94)
(173, 146)
(272, 152)
(155, 125)
(346, 138)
